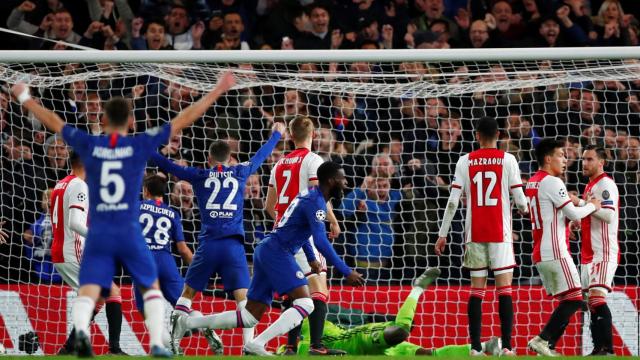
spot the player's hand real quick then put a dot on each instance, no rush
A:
(27, 6)
(18, 88)
(315, 266)
(440, 244)
(574, 199)
(596, 202)
(279, 127)
(334, 230)
(355, 279)
(226, 81)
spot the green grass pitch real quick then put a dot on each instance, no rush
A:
(109, 357)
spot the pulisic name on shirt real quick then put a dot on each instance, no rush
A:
(157, 210)
(220, 174)
(485, 161)
(112, 154)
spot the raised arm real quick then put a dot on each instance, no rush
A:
(189, 115)
(47, 117)
(266, 149)
(166, 165)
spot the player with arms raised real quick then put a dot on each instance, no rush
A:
(275, 268)
(69, 207)
(115, 235)
(549, 207)
(600, 249)
(220, 194)
(293, 174)
(486, 176)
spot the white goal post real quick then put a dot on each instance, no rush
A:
(397, 120)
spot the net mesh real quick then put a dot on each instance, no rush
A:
(398, 129)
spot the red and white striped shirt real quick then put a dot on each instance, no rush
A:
(547, 196)
(291, 175)
(70, 192)
(486, 176)
(599, 238)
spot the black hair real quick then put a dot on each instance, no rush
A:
(601, 153)
(547, 147)
(328, 170)
(156, 185)
(118, 110)
(219, 151)
(487, 127)
(74, 159)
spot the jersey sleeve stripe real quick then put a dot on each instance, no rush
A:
(456, 186)
(516, 186)
(313, 179)
(563, 205)
(76, 207)
(609, 207)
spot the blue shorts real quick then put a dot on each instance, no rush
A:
(170, 279)
(274, 270)
(106, 251)
(225, 257)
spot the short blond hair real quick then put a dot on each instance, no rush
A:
(301, 128)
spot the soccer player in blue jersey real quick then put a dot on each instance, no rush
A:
(115, 235)
(275, 268)
(220, 194)
(160, 225)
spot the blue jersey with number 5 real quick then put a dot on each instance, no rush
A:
(220, 191)
(114, 166)
(160, 224)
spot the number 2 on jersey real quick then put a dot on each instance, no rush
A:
(483, 196)
(163, 225)
(283, 199)
(228, 203)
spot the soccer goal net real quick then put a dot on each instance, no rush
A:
(397, 121)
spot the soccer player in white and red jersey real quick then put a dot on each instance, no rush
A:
(69, 207)
(549, 207)
(600, 249)
(291, 175)
(486, 176)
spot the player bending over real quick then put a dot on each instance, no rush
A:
(486, 176)
(549, 206)
(389, 338)
(275, 268)
(160, 226)
(220, 194)
(69, 207)
(115, 235)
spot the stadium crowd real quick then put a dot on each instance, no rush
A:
(399, 153)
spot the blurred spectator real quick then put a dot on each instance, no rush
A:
(182, 201)
(371, 210)
(154, 37)
(255, 221)
(434, 10)
(231, 37)
(179, 34)
(508, 27)
(37, 241)
(319, 36)
(57, 26)
(90, 115)
(55, 166)
(559, 31)
(611, 25)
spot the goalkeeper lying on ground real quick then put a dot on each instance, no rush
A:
(388, 338)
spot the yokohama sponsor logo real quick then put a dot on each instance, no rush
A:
(440, 318)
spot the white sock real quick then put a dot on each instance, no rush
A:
(223, 320)
(182, 303)
(154, 316)
(287, 321)
(247, 333)
(81, 312)
(416, 292)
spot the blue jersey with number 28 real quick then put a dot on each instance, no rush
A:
(160, 224)
(114, 166)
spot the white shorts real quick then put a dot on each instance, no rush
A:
(598, 275)
(303, 263)
(479, 257)
(559, 276)
(70, 273)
